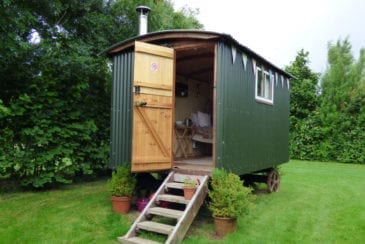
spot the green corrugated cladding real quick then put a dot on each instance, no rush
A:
(250, 136)
(121, 111)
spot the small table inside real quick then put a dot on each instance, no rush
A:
(183, 135)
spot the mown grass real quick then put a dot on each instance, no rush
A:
(79, 213)
(317, 203)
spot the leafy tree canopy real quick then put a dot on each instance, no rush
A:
(335, 129)
(303, 96)
(55, 94)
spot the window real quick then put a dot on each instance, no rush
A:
(264, 87)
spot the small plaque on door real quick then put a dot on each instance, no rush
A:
(154, 66)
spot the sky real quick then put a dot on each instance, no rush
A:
(278, 29)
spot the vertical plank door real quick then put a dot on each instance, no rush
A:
(153, 107)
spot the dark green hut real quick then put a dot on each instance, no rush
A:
(195, 100)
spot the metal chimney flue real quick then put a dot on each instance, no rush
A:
(143, 19)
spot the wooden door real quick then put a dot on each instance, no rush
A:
(153, 107)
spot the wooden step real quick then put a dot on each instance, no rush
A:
(172, 198)
(166, 212)
(178, 177)
(175, 185)
(175, 233)
(155, 227)
(136, 240)
(190, 212)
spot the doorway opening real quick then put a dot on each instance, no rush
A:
(194, 135)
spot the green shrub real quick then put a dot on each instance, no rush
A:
(122, 182)
(229, 198)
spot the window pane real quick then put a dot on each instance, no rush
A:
(264, 85)
(260, 87)
(267, 86)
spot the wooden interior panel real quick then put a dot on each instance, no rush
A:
(195, 60)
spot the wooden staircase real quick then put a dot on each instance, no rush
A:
(168, 205)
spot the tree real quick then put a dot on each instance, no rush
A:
(342, 103)
(303, 95)
(55, 94)
(335, 129)
(303, 103)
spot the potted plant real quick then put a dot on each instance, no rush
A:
(121, 186)
(229, 199)
(189, 187)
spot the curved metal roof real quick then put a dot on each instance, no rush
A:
(186, 34)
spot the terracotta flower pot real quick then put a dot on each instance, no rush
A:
(189, 192)
(223, 226)
(121, 204)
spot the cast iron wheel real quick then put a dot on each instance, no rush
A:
(273, 181)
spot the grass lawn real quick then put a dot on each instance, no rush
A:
(317, 203)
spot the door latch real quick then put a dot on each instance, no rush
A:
(140, 103)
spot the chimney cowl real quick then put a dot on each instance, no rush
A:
(143, 23)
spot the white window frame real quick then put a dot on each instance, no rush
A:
(267, 86)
